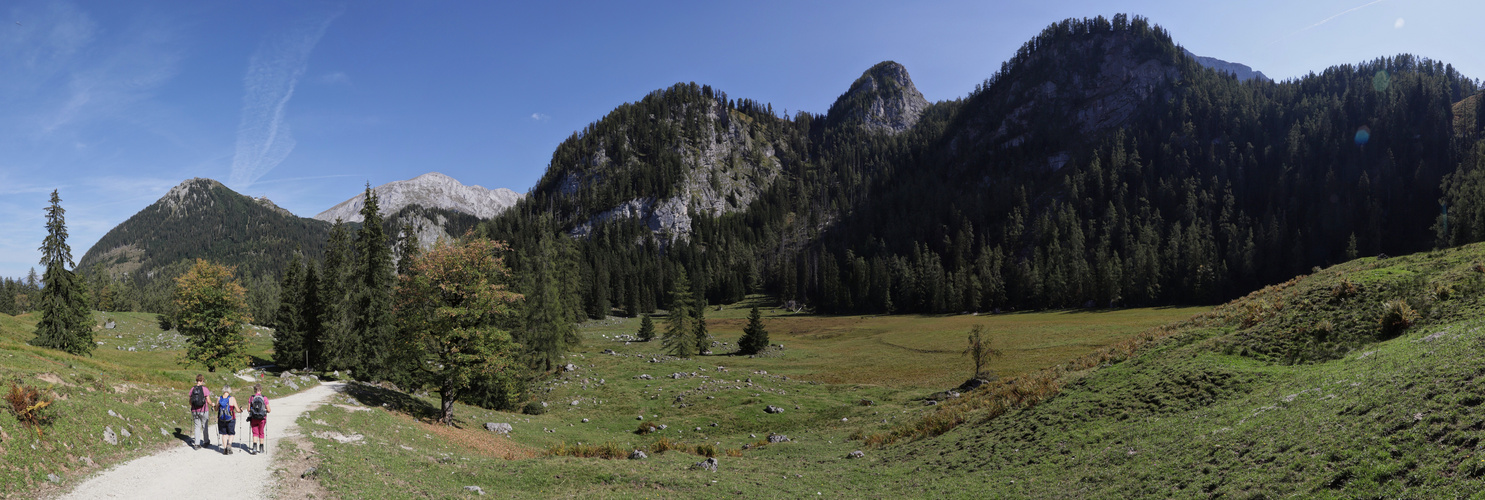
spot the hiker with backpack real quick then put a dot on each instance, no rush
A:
(257, 419)
(200, 398)
(227, 411)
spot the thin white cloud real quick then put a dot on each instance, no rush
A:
(1329, 19)
(263, 137)
(540, 117)
(1398, 24)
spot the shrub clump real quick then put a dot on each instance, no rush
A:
(534, 408)
(1344, 290)
(646, 428)
(1397, 316)
(29, 406)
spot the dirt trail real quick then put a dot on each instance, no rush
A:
(207, 473)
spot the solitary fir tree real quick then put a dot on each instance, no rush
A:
(65, 318)
(646, 329)
(679, 337)
(754, 338)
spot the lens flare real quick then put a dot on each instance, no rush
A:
(1381, 81)
(1363, 134)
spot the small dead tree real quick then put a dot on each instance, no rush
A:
(980, 350)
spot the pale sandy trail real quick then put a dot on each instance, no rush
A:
(181, 472)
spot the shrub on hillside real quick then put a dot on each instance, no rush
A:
(1344, 290)
(29, 405)
(534, 408)
(1397, 316)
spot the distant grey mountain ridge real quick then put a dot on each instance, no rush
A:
(432, 190)
(1242, 71)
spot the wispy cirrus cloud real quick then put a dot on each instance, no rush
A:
(1329, 19)
(263, 137)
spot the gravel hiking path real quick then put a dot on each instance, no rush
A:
(181, 472)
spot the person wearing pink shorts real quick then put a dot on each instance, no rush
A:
(257, 419)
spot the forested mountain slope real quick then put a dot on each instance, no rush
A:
(1101, 165)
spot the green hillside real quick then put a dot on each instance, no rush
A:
(132, 385)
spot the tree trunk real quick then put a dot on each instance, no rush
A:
(447, 397)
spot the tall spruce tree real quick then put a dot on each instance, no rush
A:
(679, 339)
(311, 310)
(373, 325)
(288, 334)
(549, 329)
(337, 344)
(700, 337)
(63, 304)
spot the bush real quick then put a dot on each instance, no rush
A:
(706, 450)
(534, 408)
(165, 322)
(29, 406)
(663, 445)
(646, 428)
(1397, 317)
(1344, 290)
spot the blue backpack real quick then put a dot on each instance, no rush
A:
(224, 411)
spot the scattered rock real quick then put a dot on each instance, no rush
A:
(574, 402)
(163, 433)
(638, 455)
(87, 461)
(501, 428)
(309, 472)
(125, 432)
(645, 376)
(569, 367)
(109, 436)
(53, 478)
(698, 429)
(585, 420)
(112, 414)
(777, 438)
(475, 489)
(641, 417)
(293, 386)
(772, 409)
(855, 454)
(110, 325)
(708, 464)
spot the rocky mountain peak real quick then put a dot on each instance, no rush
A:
(883, 99)
(188, 193)
(433, 190)
(1242, 71)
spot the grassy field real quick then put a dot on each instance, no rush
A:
(139, 395)
(1294, 390)
(827, 367)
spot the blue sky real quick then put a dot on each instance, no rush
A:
(113, 103)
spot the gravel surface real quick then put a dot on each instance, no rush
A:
(206, 473)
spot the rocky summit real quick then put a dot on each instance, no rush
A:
(882, 100)
(432, 190)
